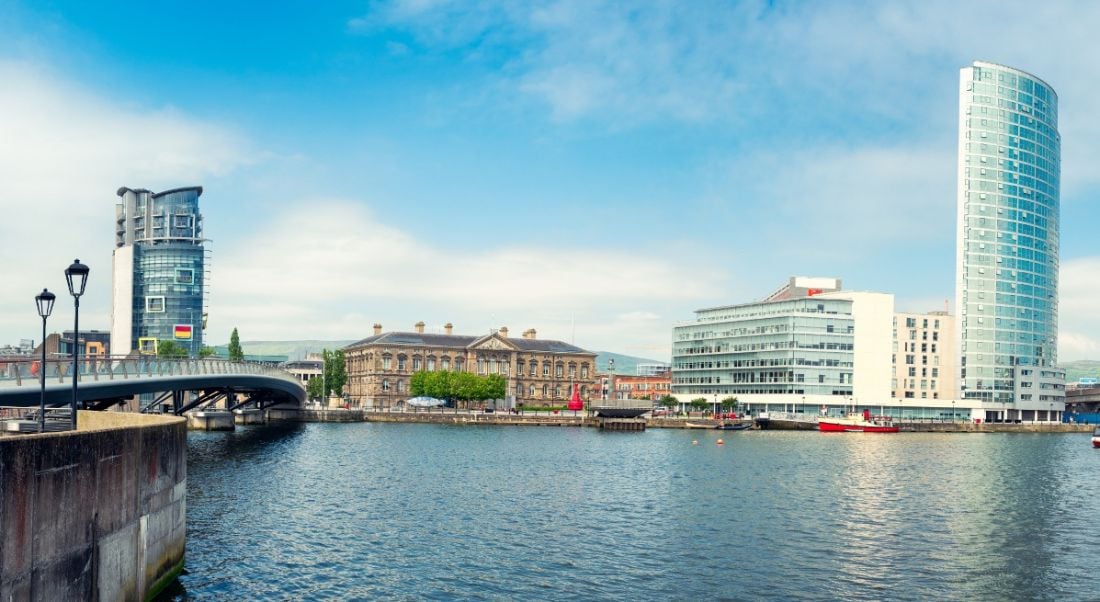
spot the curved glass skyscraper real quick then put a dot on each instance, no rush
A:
(159, 271)
(1007, 253)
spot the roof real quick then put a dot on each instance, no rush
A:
(123, 190)
(458, 341)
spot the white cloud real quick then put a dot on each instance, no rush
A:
(65, 151)
(1079, 309)
(332, 270)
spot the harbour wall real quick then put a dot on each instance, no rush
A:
(94, 514)
(567, 419)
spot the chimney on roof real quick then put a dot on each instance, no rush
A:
(504, 331)
(448, 328)
(420, 327)
(377, 329)
(529, 333)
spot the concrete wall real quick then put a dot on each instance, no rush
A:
(96, 514)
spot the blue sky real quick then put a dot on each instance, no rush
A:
(594, 170)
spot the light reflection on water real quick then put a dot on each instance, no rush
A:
(365, 511)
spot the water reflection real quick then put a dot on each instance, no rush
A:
(431, 511)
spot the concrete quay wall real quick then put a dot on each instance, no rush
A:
(95, 514)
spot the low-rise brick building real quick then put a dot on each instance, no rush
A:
(539, 372)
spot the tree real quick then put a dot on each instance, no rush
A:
(699, 404)
(669, 402)
(171, 349)
(313, 388)
(729, 404)
(336, 371)
(236, 354)
(207, 352)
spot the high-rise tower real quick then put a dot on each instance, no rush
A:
(159, 271)
(1007, 247)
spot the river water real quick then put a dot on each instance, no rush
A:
(394, 511)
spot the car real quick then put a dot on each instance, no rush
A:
(660, 412)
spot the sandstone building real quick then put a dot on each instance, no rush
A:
(539, 372)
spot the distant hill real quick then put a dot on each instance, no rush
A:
(624, 364)
(293, 350)
(1076, 370)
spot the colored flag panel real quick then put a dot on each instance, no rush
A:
(183, 331)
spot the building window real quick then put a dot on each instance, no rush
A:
(416, 363)
(401, 363)
(185, 276)
(545, 391)
(386, 362)
(532, 392)
(546, 369)
(431, 364)
(584, 370)
(557, 392)
(460, 364)
(533, 368)
(558, 370)
(154, 305)
(385, 385)
(445, 363)
(481, 365)
(572, 371)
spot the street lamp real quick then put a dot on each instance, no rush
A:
(77, 276)
(45, 307)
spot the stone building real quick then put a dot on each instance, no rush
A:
(539, 372)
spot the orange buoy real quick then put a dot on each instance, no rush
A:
(720, 442)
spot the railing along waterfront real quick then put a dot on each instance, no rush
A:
(25, 373)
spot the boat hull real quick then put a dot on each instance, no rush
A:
(827, 426)
(1096, 441)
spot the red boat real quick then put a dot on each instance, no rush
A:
(858, 423)
(1096, 437)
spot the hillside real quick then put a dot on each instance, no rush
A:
(624, 364)
(1081, 368)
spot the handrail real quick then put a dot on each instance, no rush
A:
(25, 372)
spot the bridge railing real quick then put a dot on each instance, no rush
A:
(25, 373)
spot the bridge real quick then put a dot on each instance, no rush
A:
(177, 385)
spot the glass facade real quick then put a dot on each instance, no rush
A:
(168, 267)
(797, 346)
(1007, 282)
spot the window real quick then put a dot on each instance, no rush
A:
(584, 370)
(154, 305)
(385, 385)
(185, 276)
(545, 391)
(445, 363)
(416, 363)
(431, 364)
(572, 371)
(546, 368)
(386, 362)
(558, 370)
(460, 364)
(532, 391)
(401, 363)
(533, 369)
(481, 365)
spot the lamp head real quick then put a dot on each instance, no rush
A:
(44, 300)
(77, 276)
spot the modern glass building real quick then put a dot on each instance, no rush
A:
(1007, 253)
(159, 271)
(808, 343)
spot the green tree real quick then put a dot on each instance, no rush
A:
(313, 388)
(236, 354)
(669, 402)
(729, 404)
(207, 351)
(171, 349)
(699, 404)
(336, 371)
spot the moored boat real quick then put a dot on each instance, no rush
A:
(1096, 437)
(857, 423)
(734, 426)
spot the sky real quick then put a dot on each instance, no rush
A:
(593, 170)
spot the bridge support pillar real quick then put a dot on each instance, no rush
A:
(210, 420)
(249, 416)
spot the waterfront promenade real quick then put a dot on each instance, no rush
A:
(582, 419)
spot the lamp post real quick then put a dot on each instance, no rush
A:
(44, 301)
(77, 276)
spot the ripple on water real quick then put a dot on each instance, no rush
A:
(412, 512)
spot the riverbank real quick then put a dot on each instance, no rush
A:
(467, 417)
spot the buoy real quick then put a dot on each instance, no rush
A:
(695, 442)
(720, 442)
